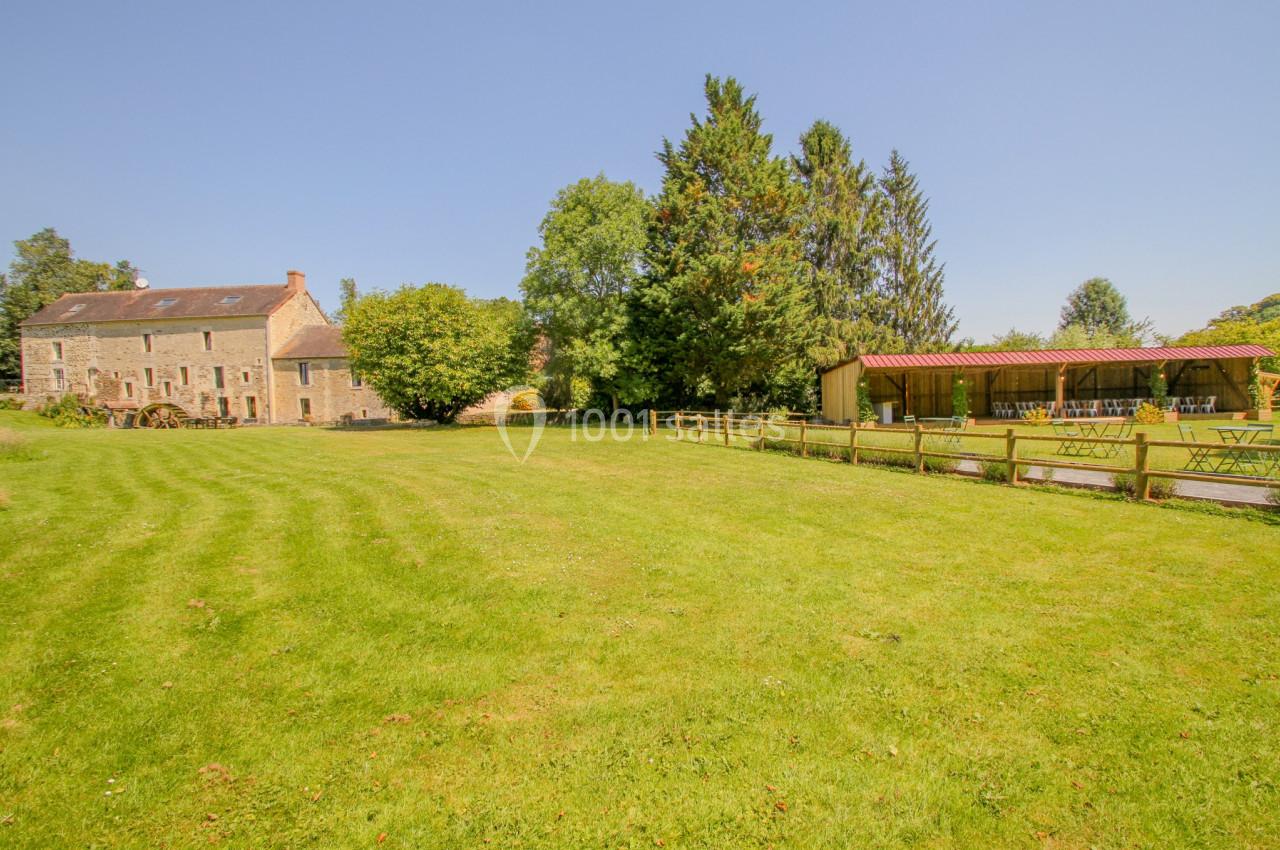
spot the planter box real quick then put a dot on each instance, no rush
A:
(1264, 414)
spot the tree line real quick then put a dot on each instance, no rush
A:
(741, 278)
(733, 286)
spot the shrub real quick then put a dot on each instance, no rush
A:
(1037, 416)
(70, 412)
(866, 411)
(1149, 414)
(10, 404)
(1158, 488)
(894, 459)
(995, 470)
(959, 395)
(940, 465)
(526, 400)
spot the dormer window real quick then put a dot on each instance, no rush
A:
(231, 299)
(166, 302)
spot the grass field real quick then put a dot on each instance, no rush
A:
(311, 637)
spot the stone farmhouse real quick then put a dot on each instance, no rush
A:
(259, 353)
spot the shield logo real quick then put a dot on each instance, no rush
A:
(517, 407)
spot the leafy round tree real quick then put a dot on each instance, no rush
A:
(1096, 306)
(430, 352)
(576, 283)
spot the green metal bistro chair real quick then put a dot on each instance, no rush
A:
(1199, 460)
(1070, 444)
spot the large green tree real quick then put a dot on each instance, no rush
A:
(430, 352)
(44, 269)
(911, 277)
(1258, 324)
(723, 313)
(577, 281)
(843, 219)
(1096, 305)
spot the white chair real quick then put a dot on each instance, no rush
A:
(1210, 405)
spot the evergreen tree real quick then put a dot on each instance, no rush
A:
(911, 279)
(843, 220)
(347, 295)
(723, 312)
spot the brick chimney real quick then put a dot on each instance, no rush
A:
(297, 281)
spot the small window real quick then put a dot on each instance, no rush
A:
(364, 413)
(304, 374)
(304, 405)
(59, 379)
(244, 376)
(184, 375)
(146, 343)
(356, 381)
(166, 302)
(230, 299)
(224, 408)
(208, 340)
(76, 308)
(115, 374)
(57, 351)
(92, 374)
(218, 380)
(168, 388)
(150, 376)
(128, 389)
(250, 407)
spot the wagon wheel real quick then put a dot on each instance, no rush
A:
(161, 416)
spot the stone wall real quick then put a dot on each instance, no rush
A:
(330, 392)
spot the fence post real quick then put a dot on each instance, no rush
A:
(853, 443)
(760, 445)
(726, 423)
(1011, 454)
(653, 423)
(919, 439)
(679, 422)
(700, 428)
(804, 430)
(1141, 466)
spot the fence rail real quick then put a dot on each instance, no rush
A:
(760, 430)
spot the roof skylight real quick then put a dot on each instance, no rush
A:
(231, 299)
(166, 302)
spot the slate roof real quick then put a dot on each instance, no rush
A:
(199, 302)
(1051, 357)
(313, 341)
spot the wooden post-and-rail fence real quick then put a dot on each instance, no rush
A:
(754, 431)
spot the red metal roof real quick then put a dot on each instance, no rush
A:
(1054, 357)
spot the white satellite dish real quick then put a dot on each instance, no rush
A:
(141, 283)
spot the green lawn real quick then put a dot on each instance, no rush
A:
(311, 637)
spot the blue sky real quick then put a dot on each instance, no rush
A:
(224, 143)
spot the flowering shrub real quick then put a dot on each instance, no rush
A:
(1149, 414)
(70, 412)
(1036, 416)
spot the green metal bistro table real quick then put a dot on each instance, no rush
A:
(1238, 458)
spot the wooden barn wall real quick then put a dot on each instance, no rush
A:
(840, 392)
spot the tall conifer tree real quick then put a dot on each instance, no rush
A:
(911, 279)
(843, 222)
(723, 313)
